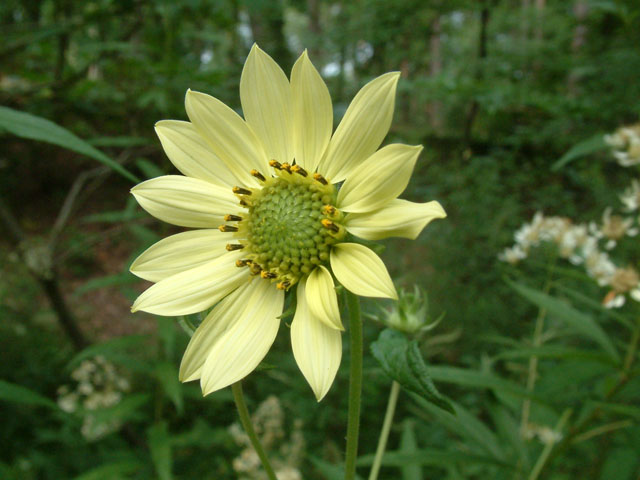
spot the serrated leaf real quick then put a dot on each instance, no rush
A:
(29, 126)
(401, 360)
(160, 447)
(12, 392)
(591, 145)
(579, 322)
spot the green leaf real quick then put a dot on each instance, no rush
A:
(579, 322)
(401, 360)
(160, 446)
(466, 425)
(149, 169)
(167, 375)
(129, 408)
(122, 142)
(431, 457)
(329, 471)
(11, 392)
(409, 446)
(29, 126)
(115, 350)
(111, 471)
(123, 278)
(591, 145)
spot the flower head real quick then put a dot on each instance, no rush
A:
(273, 198)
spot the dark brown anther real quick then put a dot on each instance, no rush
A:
(287, 167)
(244, 203)
(242, 263)
(241, 191)
(227, 228)
(232, 218)
(329, 210)
(266, 274)
(319, 178)
(283, 285)
(258, 175)
(255, 269)
(328, 224)
(299, 170)
(275, 164)
(234, 246)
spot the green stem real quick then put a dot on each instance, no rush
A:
(245, 419)
(355, 385)
(386, 427)
(546, 451)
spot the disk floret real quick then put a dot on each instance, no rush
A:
(290, 224)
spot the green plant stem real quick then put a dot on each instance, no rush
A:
(386, 427)
(631, 350)
(245, 419)
(544, 456)
(533, 360)
(355, 385)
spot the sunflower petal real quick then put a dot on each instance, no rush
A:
(225, 313)
(179, 253)
(399, 218)
(247, 339)
(362, 129)
(185, 201)
(193, 290)
(265, 95)
(317, 348)
(312, 113)
(361, 271)
(228, 135)
(191, 154)
(322, 299)
(379, 179)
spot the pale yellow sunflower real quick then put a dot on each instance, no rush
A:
(273, 197)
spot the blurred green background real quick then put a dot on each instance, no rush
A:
(497, 91)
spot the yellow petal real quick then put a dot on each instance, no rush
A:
(229, 137)
(399, 218)
(179, 253)
(186, 201)
(193, 290)
(317, 348)
(322, 298)
(191, 154)
(379, 179)
(312, 113)
(362, 129)
(361, 271)
(265, 94)
(247, 338)
(227, 311)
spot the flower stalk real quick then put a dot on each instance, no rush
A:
(245, 419)
(355, 384)
(386, 428)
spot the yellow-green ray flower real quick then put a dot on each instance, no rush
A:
(264, 194)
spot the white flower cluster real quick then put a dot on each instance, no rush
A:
(546, 435)
(580, 245)
(98, 385)
(625, 143)
(268, 422)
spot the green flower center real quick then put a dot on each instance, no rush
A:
(290, 224)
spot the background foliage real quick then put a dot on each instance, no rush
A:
(496, 90)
